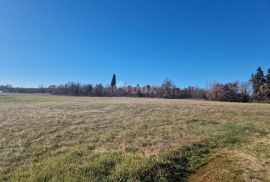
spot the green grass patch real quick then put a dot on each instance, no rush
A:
(175, 165)
(234, 134)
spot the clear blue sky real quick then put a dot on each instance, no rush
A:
(142, 41)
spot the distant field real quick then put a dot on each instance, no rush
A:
(54, 138)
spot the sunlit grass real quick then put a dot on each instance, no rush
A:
(51, 138)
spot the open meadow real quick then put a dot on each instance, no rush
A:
(57, 138)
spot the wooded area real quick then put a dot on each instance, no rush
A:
(257, 89)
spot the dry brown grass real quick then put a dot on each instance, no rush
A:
(34, 126)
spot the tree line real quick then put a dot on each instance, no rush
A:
(257, 89)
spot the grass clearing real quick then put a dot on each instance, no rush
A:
(50, 138)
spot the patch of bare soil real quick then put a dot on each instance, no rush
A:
(220, 168)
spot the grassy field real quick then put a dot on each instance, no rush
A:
(53, 138)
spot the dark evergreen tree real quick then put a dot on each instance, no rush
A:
(113, 83)
(258, 80)
(268, 78)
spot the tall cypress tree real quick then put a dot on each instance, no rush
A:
(113, 83)
(268, 78)
(258, 79)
